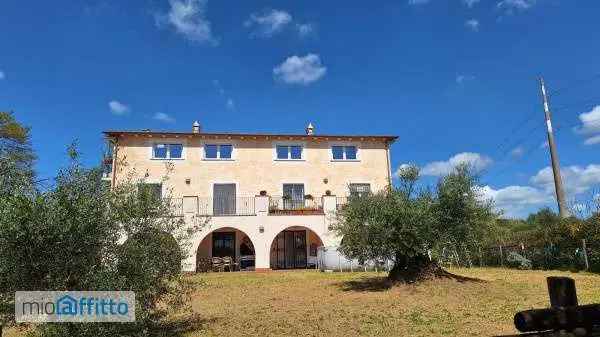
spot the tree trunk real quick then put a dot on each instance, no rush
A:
(414, 269)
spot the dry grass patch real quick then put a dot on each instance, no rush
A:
(310, 303)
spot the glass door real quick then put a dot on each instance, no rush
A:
(224, 199)
(289, 250)
(223, 244)
(293, 196)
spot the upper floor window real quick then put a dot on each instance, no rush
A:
(359, 190)
(347, 152)
(218, 151)
(167, 151)
(289, 152)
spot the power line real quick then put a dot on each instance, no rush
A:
(576, 84)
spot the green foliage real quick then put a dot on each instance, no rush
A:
(463, 217)
(71, 237)
(405, 225)
(16, 156)
(517, 260)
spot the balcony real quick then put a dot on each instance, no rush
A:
(283, 205)
(253, 206)
(239, 206)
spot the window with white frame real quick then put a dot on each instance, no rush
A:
(218, 151)
(167, 151)
(359, 190)
(344, 152)
(289, 152)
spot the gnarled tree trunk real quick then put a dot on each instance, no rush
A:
(412, 269)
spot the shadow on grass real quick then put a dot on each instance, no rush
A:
(371, 284)
(182, 326)
(383, 283)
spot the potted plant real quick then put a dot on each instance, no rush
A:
(262, 193)
(328, 192)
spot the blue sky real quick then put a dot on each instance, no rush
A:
(455, 79)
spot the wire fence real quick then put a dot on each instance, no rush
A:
(579, 256)
(584, 256)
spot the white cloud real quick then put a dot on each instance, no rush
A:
(590, 126)
(516, 201)
(475, 161)
(2, 75)
(462, 78)
(576, 179)
(268, 22)
(305, 29)
(517, 152)
(418, 2)
(188, 18)
(590, 121)
(510, 6)
(470, 3)
(472, 25)
(592, 140)
(118, 108)
(300, 70)
(163, 117)
(230, 104)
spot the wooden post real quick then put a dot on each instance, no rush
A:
(585, 256)
(501, 261)
(562, 292)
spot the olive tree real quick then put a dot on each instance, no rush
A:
(404, 223)
(394, 224)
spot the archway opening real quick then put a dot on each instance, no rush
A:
(295, 248)
(227, 243)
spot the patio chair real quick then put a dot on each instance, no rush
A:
(228, 263)
(217, 264)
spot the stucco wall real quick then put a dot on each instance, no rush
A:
(253, 167)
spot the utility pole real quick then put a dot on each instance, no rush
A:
(560, 193)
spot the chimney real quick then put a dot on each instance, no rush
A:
(310, 129)
(196, 127)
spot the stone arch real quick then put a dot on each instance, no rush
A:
(225, 241)
(294, 247)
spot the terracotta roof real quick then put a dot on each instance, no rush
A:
(117, 133)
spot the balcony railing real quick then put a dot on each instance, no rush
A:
(340, 202)
(226, 206)
(289, 206)
(212, 206)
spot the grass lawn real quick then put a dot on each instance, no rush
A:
(310, 303)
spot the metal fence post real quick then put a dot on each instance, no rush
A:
(468, 253)
(585, 256)
(523, 250)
